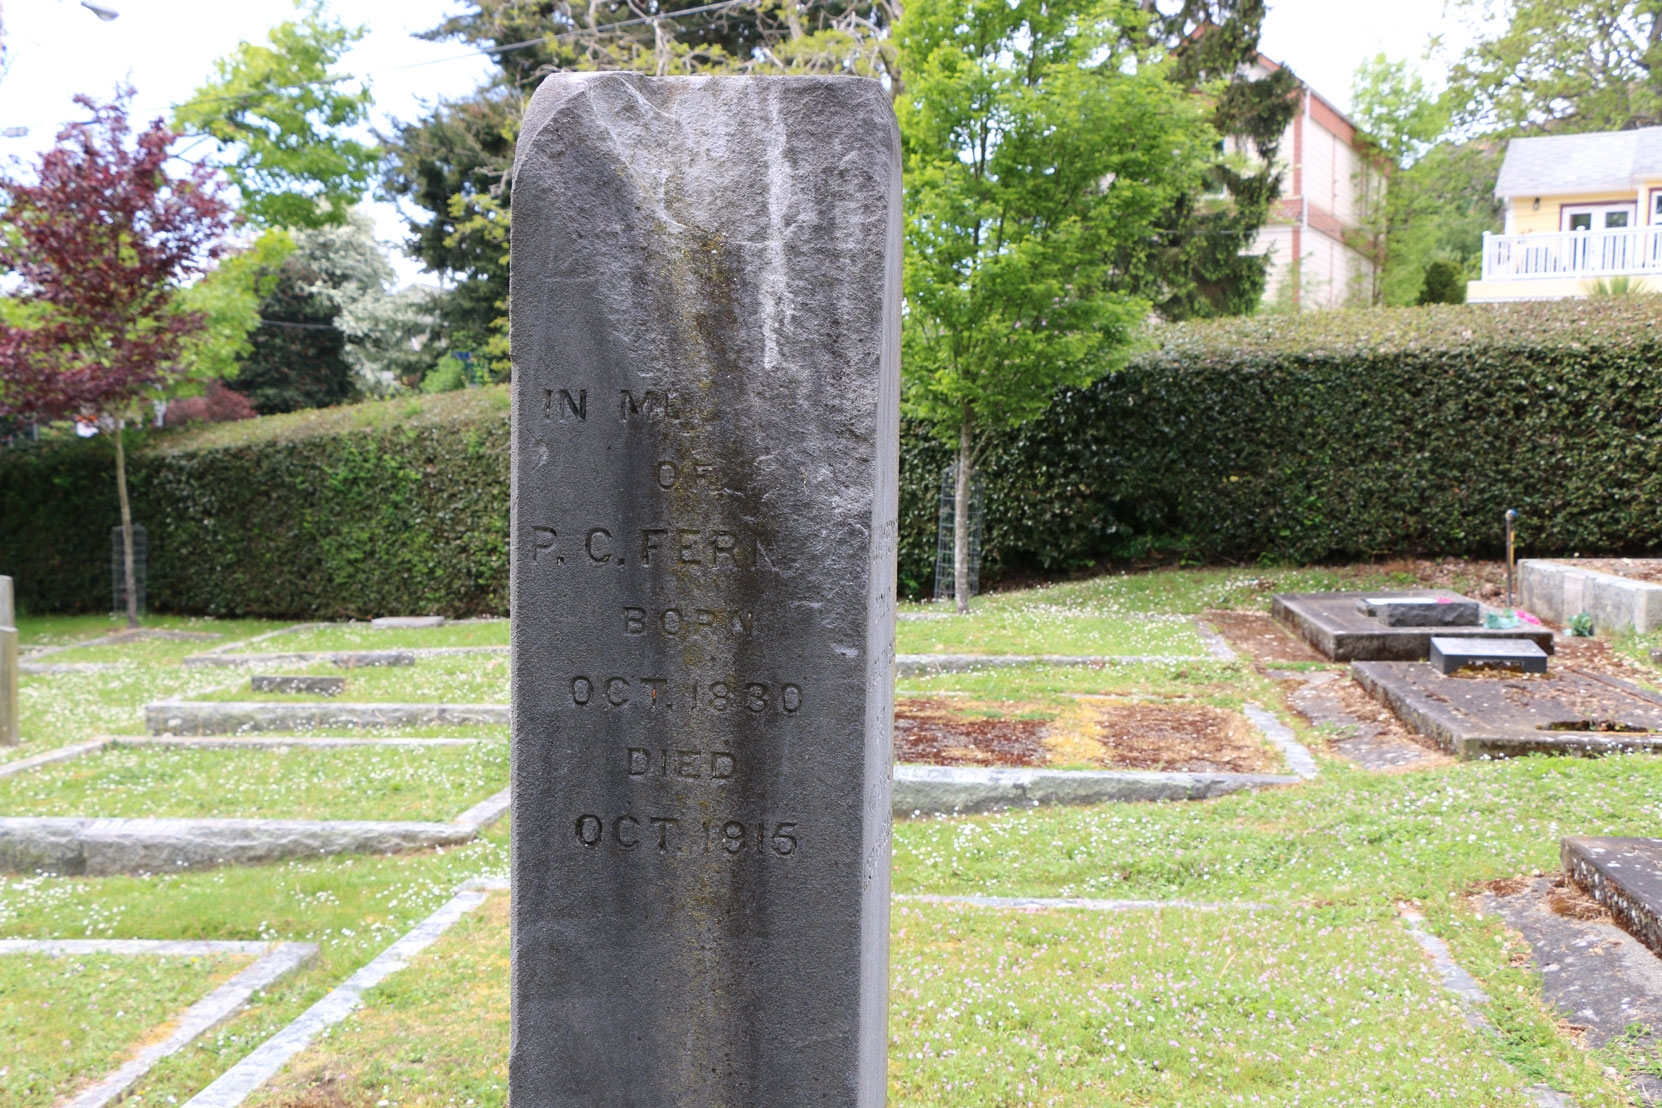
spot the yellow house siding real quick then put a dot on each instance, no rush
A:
(1527, 221)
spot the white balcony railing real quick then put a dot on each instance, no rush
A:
(1572, 253)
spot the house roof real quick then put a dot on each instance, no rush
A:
(1600, 161)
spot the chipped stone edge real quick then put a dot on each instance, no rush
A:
(272, 965)
(101, 847)
(1453, 977)
(263, 1063)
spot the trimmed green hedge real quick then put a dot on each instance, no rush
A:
(1327, 436)
(390, 508)
(1337, 436)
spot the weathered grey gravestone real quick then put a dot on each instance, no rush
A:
(9, 734)
(705, 305)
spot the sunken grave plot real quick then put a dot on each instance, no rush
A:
(1371, 626)
(1093, 733)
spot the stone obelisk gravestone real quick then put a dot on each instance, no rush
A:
(9, 735)
(705, 309)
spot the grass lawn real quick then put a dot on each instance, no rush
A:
(459, 679)
(361, 636)
(67, 1021)
(1039, 1008)
(362, 782)
(1322, 998)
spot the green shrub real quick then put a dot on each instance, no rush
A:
(1445, 283)
(1307, 438)
(1334, 436)
(395, 507)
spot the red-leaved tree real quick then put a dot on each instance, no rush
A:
(102, 237)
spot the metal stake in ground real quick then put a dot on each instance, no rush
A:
(705, 311)
(9, 734)
(1511, 516)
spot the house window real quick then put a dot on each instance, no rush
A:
(1656, 205)
(1598, 217)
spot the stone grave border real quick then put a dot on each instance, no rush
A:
(105, 846)
(130, 634)
(237, 717)
(233, 1086)
(1469, 994)
(920, 665)
(272, 964)
(965, 790)
(215, 742)
(245, 1077)
(227, 654)
(1559, 590)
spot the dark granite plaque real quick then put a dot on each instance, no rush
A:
(705, 308)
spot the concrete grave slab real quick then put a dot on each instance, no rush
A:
(1625, 876)
(406, 623)
(1408, 611)
(1331, 623)
(1559, 589)
(1598, 976)
(297, 683)
(1570, 711)
(1450, 654)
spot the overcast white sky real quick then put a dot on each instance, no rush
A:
(165, 48)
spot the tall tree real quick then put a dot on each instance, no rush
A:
(282, 114)
(1441, 197)
(1559, 66)
(1041, 148)
(453, 164)
(100, 241)
(1201, 264)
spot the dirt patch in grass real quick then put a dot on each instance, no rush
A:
(1261, 638)
(1179, 738)
(1485, 581)
(939, 733)
(1595, 656)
